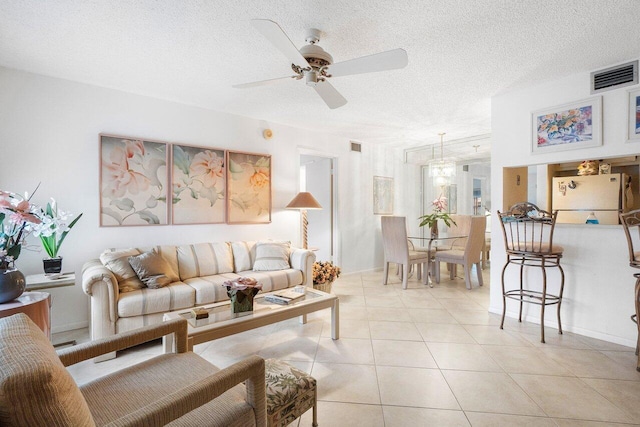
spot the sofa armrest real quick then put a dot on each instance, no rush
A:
(303, 259)
(181, 402)
(101, 285)
(89, 350)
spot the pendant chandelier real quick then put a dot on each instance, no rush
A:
(440, 170)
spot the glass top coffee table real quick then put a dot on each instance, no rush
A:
(221, 322)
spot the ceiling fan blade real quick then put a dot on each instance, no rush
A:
(389, 60)
(262, 82)
(272, 32)
(330, 95)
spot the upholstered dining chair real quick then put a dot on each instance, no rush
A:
(468, 256)
(396, 249)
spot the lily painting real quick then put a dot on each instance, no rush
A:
(133, 182)
(198, 180)
(248, 188)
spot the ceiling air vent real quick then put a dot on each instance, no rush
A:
(356, 146)
(614, 77)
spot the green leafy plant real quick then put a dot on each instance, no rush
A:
(53, 228)
(439, 208)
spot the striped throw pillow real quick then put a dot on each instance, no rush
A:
(271, 256)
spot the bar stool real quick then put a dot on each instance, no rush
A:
(632, 220)
(528, 239)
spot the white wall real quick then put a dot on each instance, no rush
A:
(49, 133)
(598, 297)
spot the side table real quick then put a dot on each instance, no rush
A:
(41, 281)
(36, 305)
(36, 282)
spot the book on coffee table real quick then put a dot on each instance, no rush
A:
(284, 296)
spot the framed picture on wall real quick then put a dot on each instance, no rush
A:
(133, 181)
(248, 188)
(382, 195)
(570, 126)
(198, 179)
(634, 116)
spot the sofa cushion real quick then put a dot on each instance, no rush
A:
(152, 269)
(175, 296)
(209, 288)
(275, 280)
(118, 262)
(35, 387)
(244, 255)
(204, 259)
(271, 256)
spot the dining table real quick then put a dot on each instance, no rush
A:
(442, 241)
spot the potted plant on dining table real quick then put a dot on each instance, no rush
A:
(439, 212)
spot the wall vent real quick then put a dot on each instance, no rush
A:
(465, 168)
(356, 146)
(614, 77)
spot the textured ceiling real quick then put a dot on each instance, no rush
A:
(461, 53)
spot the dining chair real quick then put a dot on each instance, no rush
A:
(631, 226)
(468, 256)
(396, 249)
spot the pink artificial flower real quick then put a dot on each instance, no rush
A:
(119, 178)
(440, 204)
(208, 166)
(21, 213)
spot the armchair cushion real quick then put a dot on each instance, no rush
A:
(34, 385)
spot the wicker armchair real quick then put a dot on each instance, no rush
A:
(177, 389)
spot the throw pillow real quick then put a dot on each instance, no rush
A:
(152, 269)
(118, 263)
(35, 388)
(271, 256)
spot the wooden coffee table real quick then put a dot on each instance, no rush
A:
(221, 322)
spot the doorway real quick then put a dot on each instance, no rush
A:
(318, 178)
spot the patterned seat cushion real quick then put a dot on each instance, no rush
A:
(290, 392)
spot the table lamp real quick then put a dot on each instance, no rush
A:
(304, 201)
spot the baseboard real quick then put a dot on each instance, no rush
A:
(569, 328)
(70, 327)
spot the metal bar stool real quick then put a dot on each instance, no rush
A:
(528, 239)
(631, 220)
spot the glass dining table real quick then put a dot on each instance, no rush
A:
(442, 242)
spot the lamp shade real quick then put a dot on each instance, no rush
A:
(304, 200)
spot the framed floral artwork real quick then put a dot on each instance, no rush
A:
(133, 181)
(198, 178)
(634, 116)
(382, 195)
(248, 188)
(570, 126)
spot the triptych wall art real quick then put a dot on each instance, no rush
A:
(146, 182)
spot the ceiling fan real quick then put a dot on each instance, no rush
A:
(315, 65)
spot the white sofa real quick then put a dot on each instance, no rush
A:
(197, 274)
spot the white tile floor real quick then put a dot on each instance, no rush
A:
(432, 356)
